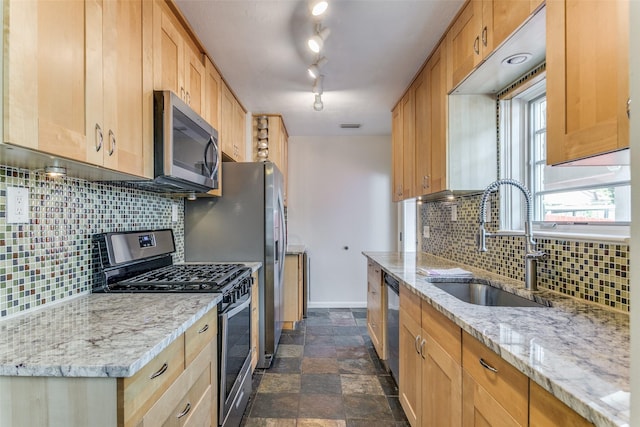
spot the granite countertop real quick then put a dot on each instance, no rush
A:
(577, 351)
(296, 249)
(98, 335)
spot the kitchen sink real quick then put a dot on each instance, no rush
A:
(479, 293)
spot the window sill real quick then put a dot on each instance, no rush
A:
(580, 236)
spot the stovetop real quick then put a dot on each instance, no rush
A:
(185, 278)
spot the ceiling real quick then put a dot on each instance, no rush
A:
(374, 50)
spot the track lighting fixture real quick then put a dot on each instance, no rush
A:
(314, 69)
(318, 105)
(316, 41)
(318, 7)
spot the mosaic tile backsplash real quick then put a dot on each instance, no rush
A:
(593, 271)
(49, 258)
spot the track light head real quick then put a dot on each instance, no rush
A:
(318, 7)
(314, 69)
(316, 42)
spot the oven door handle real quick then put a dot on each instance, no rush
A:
(232, 311)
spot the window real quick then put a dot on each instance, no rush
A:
(566, 199)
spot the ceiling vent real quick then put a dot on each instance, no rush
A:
(350, 125)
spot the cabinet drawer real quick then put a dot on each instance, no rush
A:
(184, 396)
(199, 335)
(410, 304)
(138, 392)
(446, 333)
(506, 384)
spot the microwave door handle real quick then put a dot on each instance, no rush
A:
(213, 168)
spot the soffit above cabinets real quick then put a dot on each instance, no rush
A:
(492, 76)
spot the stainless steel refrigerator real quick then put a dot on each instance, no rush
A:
(246, 224)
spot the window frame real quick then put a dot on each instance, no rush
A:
(516, 161)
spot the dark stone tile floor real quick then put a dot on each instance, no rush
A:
(326, 373)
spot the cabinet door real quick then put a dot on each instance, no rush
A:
(375, 315)
(168, 52)
(422, 133)
(255, 318)
(437, 117)
(547, 411)
(396, 152)
(408, 144)
(213, 94)
(44, 94)
(481, 409)
(587, 78)
(409, 384)
(500, 18)
(464, 43)
(441, 387)
(498, 384)
(240, 132)
(123, 86)
(194, 79)
(226, 122)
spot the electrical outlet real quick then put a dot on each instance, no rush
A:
(17, 205)
(426, 232)
(454, 212)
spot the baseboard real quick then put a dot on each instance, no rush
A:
(337, 304)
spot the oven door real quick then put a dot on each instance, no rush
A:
(235, 360)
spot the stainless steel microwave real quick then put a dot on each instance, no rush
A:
(186, 149)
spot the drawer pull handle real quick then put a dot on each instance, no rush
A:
(159, 372)
(416, 344)
(185, 411)
(422, 348)
(476, 45)
(205, 328)
(487, 366)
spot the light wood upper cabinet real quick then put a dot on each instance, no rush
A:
(409, 144)
(431, 124)
(232, 130)
(177, 63)
(397, 152)
(212, 110)
(479, 29)
(44, 75)
(271, 127)
(587, 78)
(114, 84)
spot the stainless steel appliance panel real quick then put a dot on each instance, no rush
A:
(246, 224)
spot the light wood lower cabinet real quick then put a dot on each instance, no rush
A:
(177, 388)
(293, 292)
(255, 321)
(376, 308)
(495, 393)
(430, 380)
(547, 411)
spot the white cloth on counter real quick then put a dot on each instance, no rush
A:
(445, 272)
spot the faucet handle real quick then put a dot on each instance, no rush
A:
(538, 255)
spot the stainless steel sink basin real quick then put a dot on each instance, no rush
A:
(483, 294)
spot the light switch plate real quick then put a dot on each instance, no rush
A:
(17, 205)
(174, 212)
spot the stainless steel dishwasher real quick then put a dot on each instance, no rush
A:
(393, 324)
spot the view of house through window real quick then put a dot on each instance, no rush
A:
(566, 195)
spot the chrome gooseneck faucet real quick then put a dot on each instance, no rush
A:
(531, 255)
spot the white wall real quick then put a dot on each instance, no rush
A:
(340, 196)
(634, 47)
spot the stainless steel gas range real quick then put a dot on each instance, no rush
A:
(141, 261)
